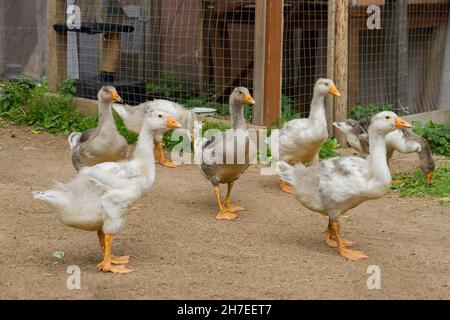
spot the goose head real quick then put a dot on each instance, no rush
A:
(108, 94)
(326, 86)
(241, 96)
(387, 121)
(158, 121)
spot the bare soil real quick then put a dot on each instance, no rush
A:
(275, 250)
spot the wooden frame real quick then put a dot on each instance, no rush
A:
(57, 55)
(268, 56)
(341, 65)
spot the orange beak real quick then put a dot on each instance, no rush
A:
(430, 177)
(116, 97)
(400, 123)
(334, 91)
(249, 100)
(172, 123)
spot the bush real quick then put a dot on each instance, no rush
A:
(25, 102)
(359, 112)
(437, 135)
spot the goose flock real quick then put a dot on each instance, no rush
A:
(107, 185)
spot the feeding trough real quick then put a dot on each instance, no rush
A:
(206, 112)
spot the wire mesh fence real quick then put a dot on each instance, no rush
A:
(196, 51)
(398, 65)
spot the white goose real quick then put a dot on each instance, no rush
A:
(98, 198)
(221, 158)
(300, 140)
(401, 140)
(132, 117)
(337, 185)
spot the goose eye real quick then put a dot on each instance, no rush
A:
(160, 116)
(387, 117)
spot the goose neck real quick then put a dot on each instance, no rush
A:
(377, 158)
(144, 153)
(105, 114)
(237, 115)
(317, 111)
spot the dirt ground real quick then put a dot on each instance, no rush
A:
(275, 250)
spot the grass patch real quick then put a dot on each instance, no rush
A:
(329, 148)
(414, 184)
(359, 111)
(25, 102)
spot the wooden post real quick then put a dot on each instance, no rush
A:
(341, 66)
(268, 64)
(57, 45)
(329, 102)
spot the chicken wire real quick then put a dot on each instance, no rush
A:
(196, 51)
(304, 52)
(23, 38)
(193, 52)
(399, 66)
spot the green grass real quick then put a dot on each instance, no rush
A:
(413, 183)
(25, 102)
(329, 148)
(359, 112)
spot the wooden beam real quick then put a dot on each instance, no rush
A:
(329, 102)
(260, 58)
(353, 67)
(268, 64)
(341, 66)
(57, 45)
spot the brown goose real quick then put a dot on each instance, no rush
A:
(222, 147)
(101, 144)
(401, 140)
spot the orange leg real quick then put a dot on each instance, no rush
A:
(223, 213)
(285, 187)
(111, 263)
(162, 158)
(343, 251)
(227, 204)
(331, 240)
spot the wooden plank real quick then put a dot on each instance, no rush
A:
(260, 53)
(353, 68)
(329, 102)
(270, 83)
(365, 3)
(110, 52)
(341, 66)
(441, 116)
(57, 45)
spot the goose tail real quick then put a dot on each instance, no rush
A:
(53, 198)
(73, 139)
(290, 173)
(343, 126)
